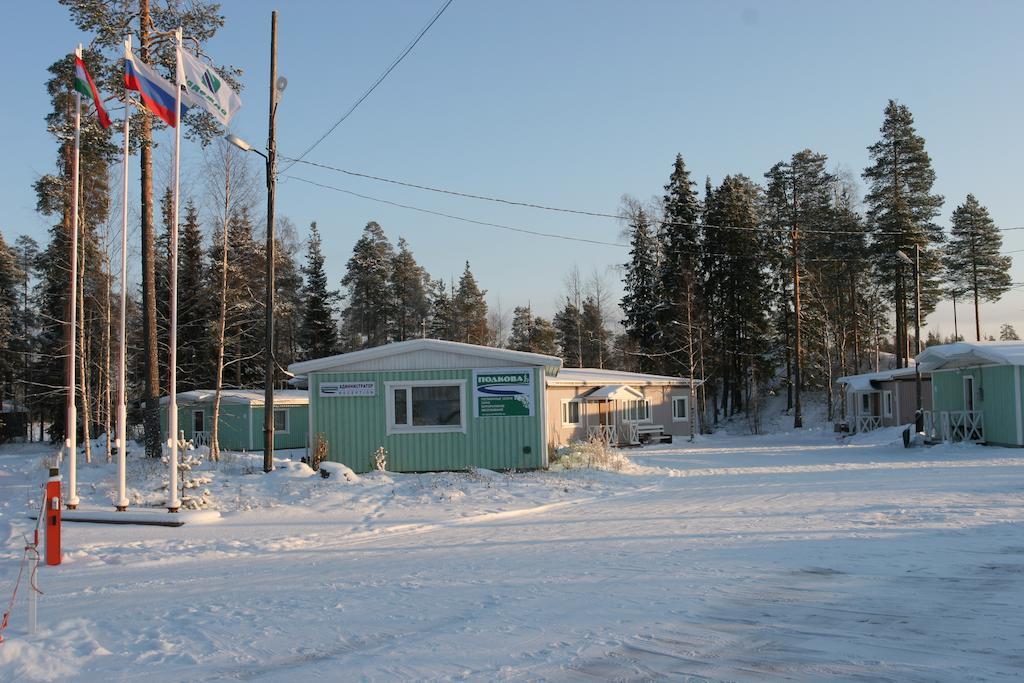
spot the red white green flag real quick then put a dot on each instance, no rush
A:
(84, 85)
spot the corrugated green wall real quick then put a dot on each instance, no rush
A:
(996, 398)
(298, 428)
(356, 426)
(234, 433)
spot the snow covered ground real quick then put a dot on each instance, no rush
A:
(780, 557)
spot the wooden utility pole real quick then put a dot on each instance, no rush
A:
(268, 399)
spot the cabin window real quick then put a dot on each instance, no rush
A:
(426, 406)
(198, 421)
(570, 412)
(638, 410)
(680, 408)
(865, 404)
(280, 420)
(887, 403)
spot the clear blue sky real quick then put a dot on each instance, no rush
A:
(573, 104)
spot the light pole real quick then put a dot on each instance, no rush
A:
(915, 263)
(277, 86)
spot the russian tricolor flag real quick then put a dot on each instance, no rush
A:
(156, 92)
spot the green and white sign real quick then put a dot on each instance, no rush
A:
(503, 392)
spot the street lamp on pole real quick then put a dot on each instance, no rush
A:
(915, 263)
(277, 86)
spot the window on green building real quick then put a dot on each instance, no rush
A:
(426, 406)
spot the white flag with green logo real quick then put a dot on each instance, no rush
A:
(205, 88)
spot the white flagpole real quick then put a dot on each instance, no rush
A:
(172, 360)
(122, 405)
(72, 418)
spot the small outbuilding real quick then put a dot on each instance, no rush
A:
(621, 408)
(887, 398)
(241, 418)
(432, 405)
(976, 392)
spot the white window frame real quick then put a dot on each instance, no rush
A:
(565, 412)
(389, 399)
(198, 411)
(886, 404)
(631, 412)
(287, 421)
(686, 403)
(865, 397)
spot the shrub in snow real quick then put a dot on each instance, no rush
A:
(338, 471)
(379, 459)
(319, 454)
(595, 455)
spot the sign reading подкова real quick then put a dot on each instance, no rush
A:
(503, 392)
(340, 389)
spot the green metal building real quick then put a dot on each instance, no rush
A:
(976, 392)
(241, 418)
(433, 405)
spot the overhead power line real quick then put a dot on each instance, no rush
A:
(578, 212)
(380, 79)
(551, 235)
(527, 231)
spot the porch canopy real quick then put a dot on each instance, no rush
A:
(613, 392)
(971, 355)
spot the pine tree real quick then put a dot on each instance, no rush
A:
(318, 336)
(680, 240)
(1007, 333)
(799, 198)
(901, 212)
(519, 339)
(368, 313)
(409, 284)
(736, 291)
(640, 299)
(442, 314)
(110, 21)
(53, 192)
(27, 323)
(972, 257)
(195, 306)
(10, 278)
(596, 337)
(470, 311)
(568, 323)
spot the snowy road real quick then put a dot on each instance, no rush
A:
(768, 558)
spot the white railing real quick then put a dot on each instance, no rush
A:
(954, 425)
(867, 423)
(200, 439)
(606, 434)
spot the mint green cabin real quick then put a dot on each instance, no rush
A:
(976, 392)
(433, 405)
(241, 418)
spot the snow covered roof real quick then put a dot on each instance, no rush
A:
(577, 377)
(865, 382)
(614, 392)
(971, 354)
(254, 397)
(425, 354)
